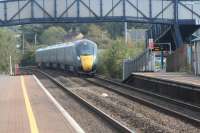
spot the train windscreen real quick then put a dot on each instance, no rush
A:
(86, 48)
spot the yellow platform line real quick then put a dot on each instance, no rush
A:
(32, 121)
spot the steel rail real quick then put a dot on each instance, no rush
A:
(165, 98)
(91, 107)
(163, 108)
(154, 105)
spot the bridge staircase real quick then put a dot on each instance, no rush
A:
(177, 34)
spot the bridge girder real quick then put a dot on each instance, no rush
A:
(19, 12)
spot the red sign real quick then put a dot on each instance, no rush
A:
(17, 72)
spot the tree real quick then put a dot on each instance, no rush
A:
(115, 56)
(98, 35)
(7, 49)
(110, 60)
(53, 35)
(30, 32)
(28, 59)
(115, 29)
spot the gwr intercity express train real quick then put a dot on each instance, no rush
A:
(78, 56)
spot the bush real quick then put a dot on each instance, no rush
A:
(7, 48)
(53, 35)
(28, 58)
(111, 59)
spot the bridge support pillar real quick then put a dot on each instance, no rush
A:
(177, 37)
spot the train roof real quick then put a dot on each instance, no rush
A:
(78, 41)
(63, 45)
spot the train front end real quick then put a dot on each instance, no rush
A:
(86, 55)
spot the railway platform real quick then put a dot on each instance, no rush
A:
(181, 86)
(182, 78)
(26, 108)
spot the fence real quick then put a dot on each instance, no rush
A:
(144, 62)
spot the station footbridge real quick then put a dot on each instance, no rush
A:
(173, 19)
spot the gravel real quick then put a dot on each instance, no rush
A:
(90, 122)
(132, 114)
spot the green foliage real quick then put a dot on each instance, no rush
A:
(110, 60)
(30, 31)
(94, 32)
(28, 59)
(7, 49)
(53, 35)
(114, 29)
(114, 57)
(98, 35)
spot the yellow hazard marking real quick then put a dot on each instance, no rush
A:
(32, 121)
(87, 62)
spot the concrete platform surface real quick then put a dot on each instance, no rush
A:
(25, 108)
(172, 76)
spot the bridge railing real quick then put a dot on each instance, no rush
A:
(142, 63)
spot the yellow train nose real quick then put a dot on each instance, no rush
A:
(87, 62)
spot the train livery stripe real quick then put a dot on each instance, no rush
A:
(67, 116)
(31, 117)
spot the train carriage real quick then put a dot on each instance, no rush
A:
(79, 56)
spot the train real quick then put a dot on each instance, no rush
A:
(78, 56)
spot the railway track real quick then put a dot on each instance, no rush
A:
(117, 125)
(184, 111)
(170, 100)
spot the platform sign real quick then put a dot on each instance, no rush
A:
(151, 43)
(161, 47)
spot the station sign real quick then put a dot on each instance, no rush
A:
(161, 47)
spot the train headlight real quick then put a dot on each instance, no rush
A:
(78, 58)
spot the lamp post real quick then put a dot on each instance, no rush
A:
(35, 41)
(126, 32)
(22, 43)
(10, 62)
